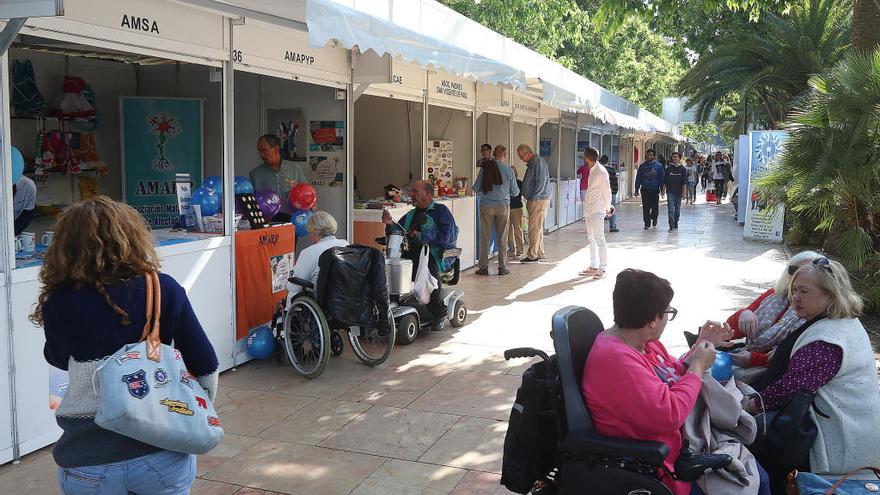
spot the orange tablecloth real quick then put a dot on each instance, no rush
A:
(255, 301)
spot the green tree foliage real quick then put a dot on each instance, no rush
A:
(772, 62)
(700, 133)
(544, 26)
(635, 62)
(830, 172)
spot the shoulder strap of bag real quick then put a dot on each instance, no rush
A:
(833, 489)
(154, 314)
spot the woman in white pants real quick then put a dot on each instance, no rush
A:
(597, 205)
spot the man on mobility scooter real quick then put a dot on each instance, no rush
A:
(430, 224)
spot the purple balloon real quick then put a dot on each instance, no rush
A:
(269, 203)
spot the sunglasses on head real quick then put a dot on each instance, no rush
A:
(822, 262)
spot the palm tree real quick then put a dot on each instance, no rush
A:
(829, 175)
(769, 63)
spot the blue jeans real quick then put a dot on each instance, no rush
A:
(673, 203)
(692, 191)
(162, 473)
(612, 222)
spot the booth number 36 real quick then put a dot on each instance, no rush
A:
(236, 55)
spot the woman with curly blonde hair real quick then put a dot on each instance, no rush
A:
(93, 302)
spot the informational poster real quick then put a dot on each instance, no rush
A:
(281, 268)
(763, 223)
(287, 124)
(327, 152)
(161, 137)
(545, 147)
(440, 160)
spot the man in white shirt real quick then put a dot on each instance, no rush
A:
(597, 206)
(24, 200)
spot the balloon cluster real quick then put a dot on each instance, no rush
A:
(302, 199)
(210, 196)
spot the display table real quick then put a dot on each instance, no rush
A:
(368, 224)
(263, 258)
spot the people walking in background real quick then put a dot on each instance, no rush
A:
(705, 173)
(720, 173)
(494, 186)
(675, 184)
(597, 206)
(612, 179)
(692, 174)
(515, 240)
(649, 181)
(536, 190)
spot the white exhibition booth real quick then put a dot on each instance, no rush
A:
(250, 69)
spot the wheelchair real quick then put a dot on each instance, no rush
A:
(309, 338)
(590, 462)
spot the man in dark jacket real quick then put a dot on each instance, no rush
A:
(612, 179)
(649, 181)
(675, 185)
(432, 224)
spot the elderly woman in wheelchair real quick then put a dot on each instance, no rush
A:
(634, 388)
(309, 332)
(605, 415)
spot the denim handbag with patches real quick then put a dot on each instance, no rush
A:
(147, 394)
(817, 484)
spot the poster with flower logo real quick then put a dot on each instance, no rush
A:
(161, 137)
(763, 223)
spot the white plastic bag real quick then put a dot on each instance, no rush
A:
(425, 282)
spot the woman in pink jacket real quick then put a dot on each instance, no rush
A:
(633, 387)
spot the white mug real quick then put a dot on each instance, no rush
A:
(28, 242)
(47, 237)
(17, 243)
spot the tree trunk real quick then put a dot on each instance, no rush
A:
(866, 24)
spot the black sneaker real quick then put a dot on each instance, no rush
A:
(671, 229)
(647, 227)
(438, 324)
(613, 230)
(528, 260)
(503, 271)
(482, 271)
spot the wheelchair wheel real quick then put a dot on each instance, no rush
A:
(307, 337)
(336, 343)
(370, 347)
(407, 329)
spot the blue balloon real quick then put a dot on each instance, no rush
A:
(207, 199)
(261, 343)
(299, 219)
(17, 164)
(243, 185)
(722, 368)
(214, 183)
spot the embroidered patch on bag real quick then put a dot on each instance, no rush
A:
(161, 377)
(176, 354)
(186, 378)
(201, 402)
(137, 384)
(213, 421)
(128, 355)
(177, 406)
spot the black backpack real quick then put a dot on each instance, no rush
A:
(531, 444)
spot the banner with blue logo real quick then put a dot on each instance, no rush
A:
(161, 137)
(763, 223)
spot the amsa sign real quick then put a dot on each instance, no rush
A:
(10, 9)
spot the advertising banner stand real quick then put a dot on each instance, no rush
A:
(763, 223)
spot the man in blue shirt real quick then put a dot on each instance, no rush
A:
(430, 224)
(536, 191)
(649, 179)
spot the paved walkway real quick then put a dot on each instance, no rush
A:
(432, 419)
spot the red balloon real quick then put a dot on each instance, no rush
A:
(303, 196)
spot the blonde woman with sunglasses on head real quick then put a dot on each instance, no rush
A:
(829, 357)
